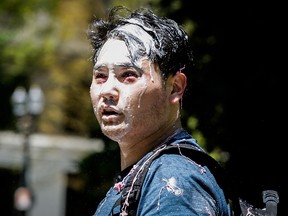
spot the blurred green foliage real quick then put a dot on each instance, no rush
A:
(45, 42)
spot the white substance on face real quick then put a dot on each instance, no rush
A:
(137, 113)
(140, 96)
(151, 71)
(128, 120)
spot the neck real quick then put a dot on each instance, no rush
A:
(130, 154)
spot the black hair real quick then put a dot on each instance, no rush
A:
(145, 34)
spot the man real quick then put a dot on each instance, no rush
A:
(136, 91)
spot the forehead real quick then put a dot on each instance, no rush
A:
(113, 52)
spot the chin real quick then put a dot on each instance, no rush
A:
(113, 132)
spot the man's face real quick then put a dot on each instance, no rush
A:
(129, 99)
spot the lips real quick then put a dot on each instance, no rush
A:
(108, 110)
(109, 113)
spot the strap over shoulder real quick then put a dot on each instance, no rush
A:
(132, 189)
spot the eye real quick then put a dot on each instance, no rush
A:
(100, 77)
(129, 76)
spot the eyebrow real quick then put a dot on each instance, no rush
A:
(125, 64)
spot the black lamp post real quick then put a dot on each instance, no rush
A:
(27, 106)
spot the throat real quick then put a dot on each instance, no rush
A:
(130, 154)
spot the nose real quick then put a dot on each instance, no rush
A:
(109, 90)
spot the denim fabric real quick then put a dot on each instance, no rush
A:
(174, 185)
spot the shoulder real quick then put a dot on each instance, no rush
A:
(180, 167)
(177, 182)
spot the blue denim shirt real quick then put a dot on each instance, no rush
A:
(174, 185)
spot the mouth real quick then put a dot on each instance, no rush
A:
(109, 114)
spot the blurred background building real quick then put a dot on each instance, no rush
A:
(53, 159)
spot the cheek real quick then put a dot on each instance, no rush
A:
(154, 100)
(94, 96)
(91, 92)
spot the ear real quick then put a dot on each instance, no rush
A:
(179, 83)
